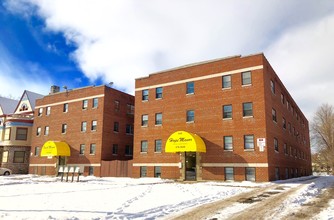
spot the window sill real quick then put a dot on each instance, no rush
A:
(158, 98)
(227, 88)
(249, 150)
(248, 117)
(144, 100)
(247, 85)
(190, 122)
(227, 150)
(158, 125)
(277, 152)
(143, 152)
(128, 155)
(190, 94)
(144, 126)
(227, 119)
(91, 154)
(157, 152)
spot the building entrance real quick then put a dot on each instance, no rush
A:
(190, 166)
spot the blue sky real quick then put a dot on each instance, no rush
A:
(78, 43)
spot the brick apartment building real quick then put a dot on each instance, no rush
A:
(223, 119)
(88, 128)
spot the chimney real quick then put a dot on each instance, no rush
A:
(54, 89)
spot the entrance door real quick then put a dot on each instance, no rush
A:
(190, 166)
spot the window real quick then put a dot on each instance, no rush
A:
(158, 93)
(190, 116)
(115, 149)
(158, 119)
(276, 144)
(37, 151)
(117, 105)
(272, 86)
(157, 172)
(63, 128)
(82, 149)
(247, 109)
(40, 111)
(130, 109)
(144, 120)
(21, 134)
(285, 148)
(65, 107)
(226, 82)
(83, 126)
(229, 173)
(273, 112)
(227, 112)
(95, 102)
(94, 125)
(92, 149)
(46, 130)
(284, 123)
(7, 134)
(116, 126)
(38, 131)
(190, 88)
(249, 142)
(250, 174)
(91, 171)
(228, 143)
(145, 95)
(129, 129)
(5, 156)
(19, 156)
(143, 147)
(143, 171)
(246, 78)
(48, 110)
(128, 150)
(282, 98)
(158, 146)
(84, 104)
(277, 175)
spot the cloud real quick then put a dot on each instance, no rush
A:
(303, 59)
(118, 41)
(16, 76)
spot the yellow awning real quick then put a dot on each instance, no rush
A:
(55, 148)
(182, 141)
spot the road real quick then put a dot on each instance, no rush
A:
(264, 203)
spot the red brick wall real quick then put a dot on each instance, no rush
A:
(207, 102)
(103, 137)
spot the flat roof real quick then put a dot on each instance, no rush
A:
(198, 63)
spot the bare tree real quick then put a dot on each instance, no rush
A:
(322, 133)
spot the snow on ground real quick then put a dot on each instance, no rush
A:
(42, 197)
(303, 195)
(38, 197)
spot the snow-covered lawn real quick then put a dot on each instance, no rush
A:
(42, 197)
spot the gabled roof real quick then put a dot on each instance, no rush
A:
(27, 101)
(32, 98)
(8, 105)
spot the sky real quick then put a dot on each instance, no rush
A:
(77, 43)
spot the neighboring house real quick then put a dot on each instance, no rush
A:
(88, 128)
(15, 131)
(223, 119)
